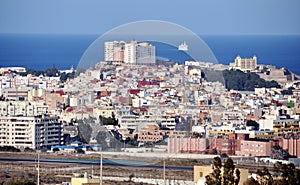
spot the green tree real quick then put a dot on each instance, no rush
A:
(279, 153)
(27, 149)
(214, 151)
(228, 172)
(230, 176)
(215, 178)
(108, 121)
(65, 76)
(55, 150)
(238, 80)
(52, 71)
(289, 91)
(288, 174)
(237, 177)
(9, 149)
(264, 177)
(80, 151)
(253, 124)
(251, 181)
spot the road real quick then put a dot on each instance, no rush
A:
(106, 162)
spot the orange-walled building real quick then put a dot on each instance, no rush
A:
(291, 145)
(255, 148)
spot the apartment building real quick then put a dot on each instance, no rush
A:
(114, 51)
(223, 144)
(280, 125)
(255, 148)
(145, 54)
(129, 52)
(35, 132)
(187, 145)
(292, 145)
(151, 135)
(22, 108)
(16, 93)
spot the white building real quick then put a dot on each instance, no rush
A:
(130, 52)
(109, 51)
(35, 132)
(16, 93)
(17, 69)
(22, 108)
(145, 53)
(114, 51)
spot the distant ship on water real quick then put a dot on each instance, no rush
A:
(183, 46)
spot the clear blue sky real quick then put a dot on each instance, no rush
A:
(200, 16)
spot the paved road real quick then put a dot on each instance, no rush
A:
(118, 163)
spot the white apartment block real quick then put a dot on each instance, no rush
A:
(130, 52)
(244, 64)
(109, 51)
(15, 93)
(10, 81)
(136, 123)
(145, 54)
(22, 108)
(5, 82)
(35, 132)
(114, 51)
(43, 82)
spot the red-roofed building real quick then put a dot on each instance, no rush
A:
(134, 91)
(60, 93)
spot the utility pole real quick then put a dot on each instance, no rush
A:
(164, 172)
(92, 171)
(38, 170)
(101, 168)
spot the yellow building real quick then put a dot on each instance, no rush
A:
(244, 64)
(201, 171)
(105, 112)
(82, 181)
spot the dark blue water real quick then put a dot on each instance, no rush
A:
(42, 51)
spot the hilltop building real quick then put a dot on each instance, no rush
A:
(130, 52)
(114, 51)
(145, 54)
(244, 64)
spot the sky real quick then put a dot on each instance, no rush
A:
(200, 16)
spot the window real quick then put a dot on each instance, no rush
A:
(200, 174)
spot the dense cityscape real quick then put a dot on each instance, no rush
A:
(128, 105)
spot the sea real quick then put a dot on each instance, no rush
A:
(42, 51)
